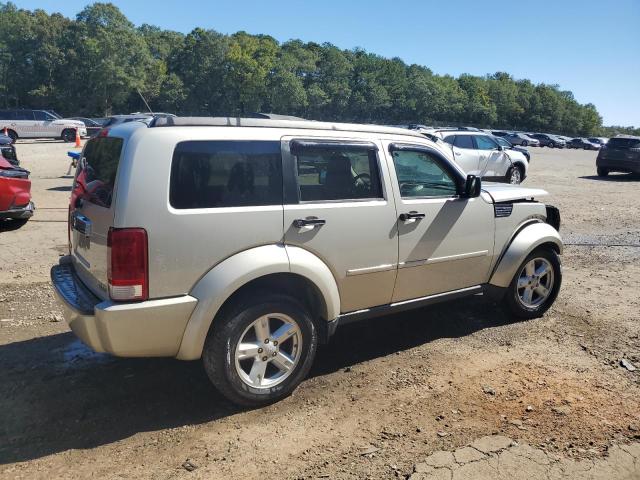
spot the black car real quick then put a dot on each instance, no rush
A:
(94, 125)
(505, 144)
(582, 143)
(619, 154)
(548, 140)
(8, 151)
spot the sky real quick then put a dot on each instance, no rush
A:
(589, 47)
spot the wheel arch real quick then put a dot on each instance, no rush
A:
(529, 238)
(290, 270)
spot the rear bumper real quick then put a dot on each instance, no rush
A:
(19, 213)
(153, 328)
(629, 166)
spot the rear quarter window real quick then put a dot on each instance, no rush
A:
(214, 174)
(96, 175)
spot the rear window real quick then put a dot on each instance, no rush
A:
(463, 141)
(96, 174)
(623, 143)
(213, 174)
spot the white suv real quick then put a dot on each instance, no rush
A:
(39, 124)
(246, 242)
(478, 153)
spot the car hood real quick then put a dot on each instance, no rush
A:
(500, 192)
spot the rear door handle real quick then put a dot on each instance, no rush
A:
(412, 215)
(308, 222)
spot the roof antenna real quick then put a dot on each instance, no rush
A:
(145, 102)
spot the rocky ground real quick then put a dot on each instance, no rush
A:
(451, 391)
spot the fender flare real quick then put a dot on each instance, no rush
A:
(524, 242)
(223, 280)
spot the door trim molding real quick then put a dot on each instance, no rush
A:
(374, 269)
(448, 258)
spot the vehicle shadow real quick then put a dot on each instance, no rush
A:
(65, 188)
(612, 177)
(56, 394)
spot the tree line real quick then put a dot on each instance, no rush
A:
(95, 65)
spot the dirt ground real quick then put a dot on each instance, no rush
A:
(379, 400)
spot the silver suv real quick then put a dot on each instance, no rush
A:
(246, 242)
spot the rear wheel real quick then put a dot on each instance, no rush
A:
(525, 143)
(260, 350)
(552, 145)
(535, 286)
(602, 172)
(69, 135)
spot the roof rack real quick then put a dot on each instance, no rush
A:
(272, 123)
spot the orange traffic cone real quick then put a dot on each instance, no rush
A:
(5, 131)
(78, 144)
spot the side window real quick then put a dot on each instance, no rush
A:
(337, 173)
(212, 174)
(421, 174)
(41, 116)
(450, 139)
(24, 115)
(485, 143)
(463, 141)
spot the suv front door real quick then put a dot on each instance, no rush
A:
(494, 162)
(445, 241)
(339, 206)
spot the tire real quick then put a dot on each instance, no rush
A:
(525, 143)
(13, 135)
(232, 376)
(514, 175)
(515, 300)
(69, 135)
(602, 172)
(552, 145)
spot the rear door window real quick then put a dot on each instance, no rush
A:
(214, 174)
(463, 141)
(96, 175)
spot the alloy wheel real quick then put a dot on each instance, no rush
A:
(535, 283)
(268, 351)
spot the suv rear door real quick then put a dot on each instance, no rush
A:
(466, 154)
(339, 206)
(92, 210)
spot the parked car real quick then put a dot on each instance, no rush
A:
(620, 154)
(24, 123)
(522, 139)
(294, 230)
(93, 125)
(15, 193)
(599, 140)
(548, 140)
(499, 133)
(505, 144)
(481, 155)
(583, 143)
(8, 150)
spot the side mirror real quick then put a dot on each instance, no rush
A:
(472, 187)
(499, 148)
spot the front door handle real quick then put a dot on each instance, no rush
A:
(308, 222)
(412, 215)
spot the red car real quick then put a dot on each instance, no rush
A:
(15, 192)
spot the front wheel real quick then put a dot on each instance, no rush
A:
(514, 176)
(260, 350)
(535, 286)
(525, 143)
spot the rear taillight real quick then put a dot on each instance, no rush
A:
(128, 268)
(103, 132)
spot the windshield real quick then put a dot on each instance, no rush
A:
(502, 141)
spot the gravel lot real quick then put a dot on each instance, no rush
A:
(380, 400)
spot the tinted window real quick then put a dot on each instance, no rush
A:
(7, 115)
(463, 141)
(623, 143)
(485, 143)
(24, 115)
(502, 142)
(337, 173)
(96, 175)
(43, 116)
(450, 139)
(421, 174)
(226, 174)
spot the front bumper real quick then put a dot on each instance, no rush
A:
(20, 213)
(153, 328)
